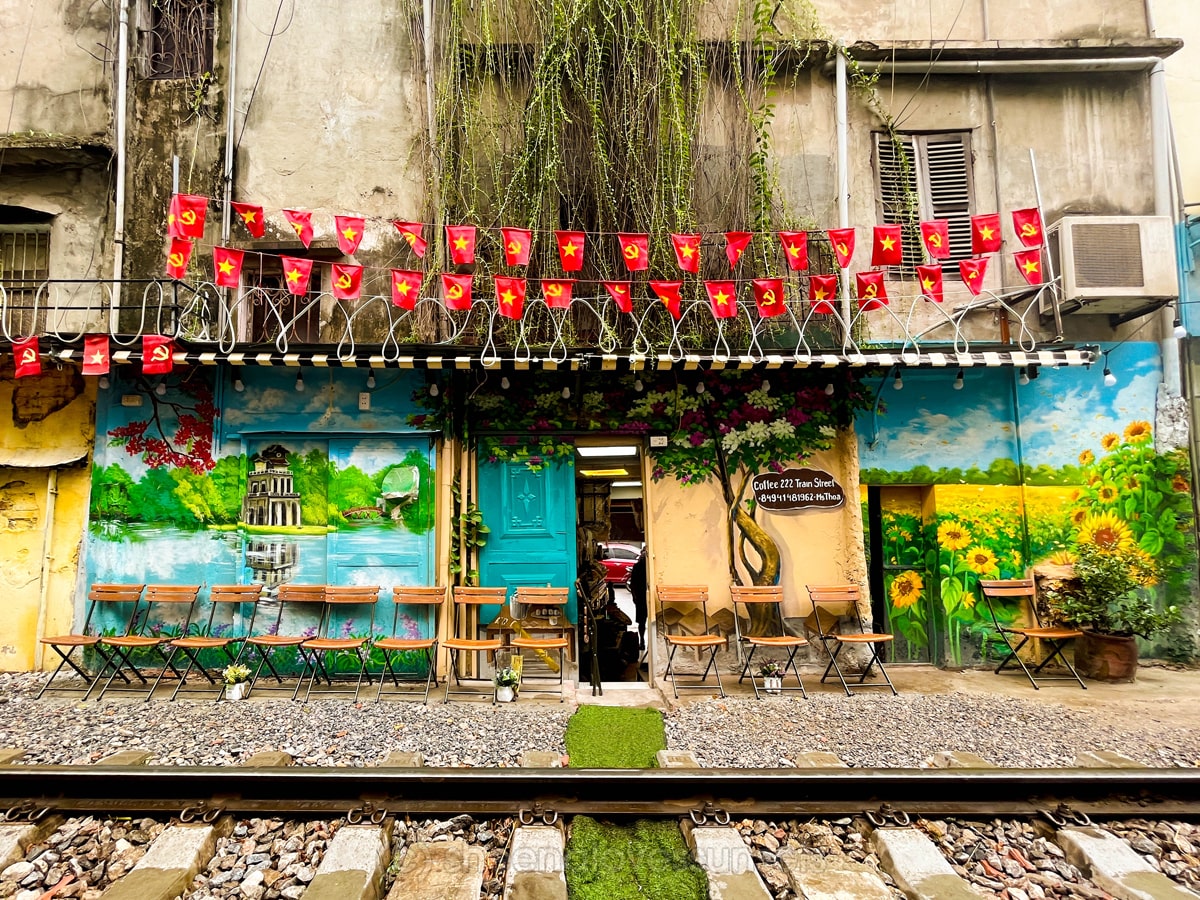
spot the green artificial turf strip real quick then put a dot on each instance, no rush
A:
(644, 861)
(610, 737)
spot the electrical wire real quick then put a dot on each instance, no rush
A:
(275, 30)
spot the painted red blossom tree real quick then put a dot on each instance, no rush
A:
(179, 432)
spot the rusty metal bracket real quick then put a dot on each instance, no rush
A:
(1063, 815)
(25, 811)
(202, 812)
(367, 812)
(702, 815)
(548, 815)
(887, 815)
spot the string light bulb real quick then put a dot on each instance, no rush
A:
(958, 380)
(898, 382)
(160, 388)
(700, 387)
(504, 383)
(238, 384)
(566, 393)
(1023, 378)
(371, 378)
(1180, 332)
(766, 385)
(103, 383)
(300, 382)
(829, 389)
(1110, 380)
(638, 386)
(434, 390)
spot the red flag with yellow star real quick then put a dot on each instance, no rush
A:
(795, 249)
(872, 292)
(570, 249)
(722, 298)
(668, 293)
(557, 292)
(619, 291)
(26, 357)
(413, 234)
(96, 357)
(516, 245)
(227, 266)
(157, 354)
(406, 288)
(736, 243)
(510, 296)
(687, 251)
(935, 235)
(932, 285)
(347, 281)
(251, 217)
(1028, 225)
(1029, 264)
(301, 222)
(635, 250)
(985, 233)
(842, 241)
(887, 249)
(461, 240)
(972, 271)
(768, 296)
(822, 291)
(177, 258)
(185, 217)
(296, 274)
(349, 232)
(456, 291)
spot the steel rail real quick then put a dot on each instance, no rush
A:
(27, 789)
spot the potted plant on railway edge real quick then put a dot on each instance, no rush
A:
(507, 681)
(771, 671)
(237, 681)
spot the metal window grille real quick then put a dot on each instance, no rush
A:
(269, 307)
(24, 265)
(180, 38)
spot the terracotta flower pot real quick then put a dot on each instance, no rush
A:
(1106, 657)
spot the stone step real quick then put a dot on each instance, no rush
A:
(442, 870)
(1115, 867)
(354, 865)
(535, 864)
(723, 855)
(918, 867)
(170, 864)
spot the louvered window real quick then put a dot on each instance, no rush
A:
(922, 177)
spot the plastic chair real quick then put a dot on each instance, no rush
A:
(534, 603)
(467, 601)
(833, 606)
(689, 595)
(98, 595)
(319, 652)
(267, 643)
(429, 599)
(1057, 638)
(228, 598)
(766, 597)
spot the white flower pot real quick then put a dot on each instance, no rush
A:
(506, 693)
(773, 684)
(237, 691)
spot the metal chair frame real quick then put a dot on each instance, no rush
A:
(543, 596)
(694, 595)
(467, 599)
(288, 596)
(1056, 638)
(431, 599)
(97, 595)
(316, 651)
(220, 596)
(748, 595)
(831, 604)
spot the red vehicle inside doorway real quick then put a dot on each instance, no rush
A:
(618, 558)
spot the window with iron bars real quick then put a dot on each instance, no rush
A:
(24, 266)
(180, 38)
(920, 177)
(268, 307)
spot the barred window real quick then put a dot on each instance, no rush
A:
(270, 308)
(24, 263)
(180, 38)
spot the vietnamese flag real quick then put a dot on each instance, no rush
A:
(668, 293)
(822, 290)
(736, 243)
(872, 293)
(177, 258)
(1029, 264)
(570, 249)
(412, 234)
(456, 291)
(347, 282)
(722, 298)
(931, 282)
(461, 239)
(516, 246)
(349, 233)
(296, 274)
(252, 218)
(26, 358)
(619, 291)
(96, 358)
(227, 264)
(635, 250)
(157, 356)
(888, 247)
(935, 235)
(985, 233)
(1028, 225)
(557, 292)
(301, 222)
(185, 218)
(768, 296)
(406, 287)
(510, 296)
(687, 251)
(842, 240)
(972, 271)
(795, 249)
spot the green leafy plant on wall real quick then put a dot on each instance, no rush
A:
(467, 536)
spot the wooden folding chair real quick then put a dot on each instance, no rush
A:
(997, 592)
(467, 603)
(228, 599)
(98, 596)
(267, 643)
(319, 653)
(537, 602)
(834, 605)
(766, 598)
(426, 599)
(677, 595)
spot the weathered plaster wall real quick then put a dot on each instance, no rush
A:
(1177, 18)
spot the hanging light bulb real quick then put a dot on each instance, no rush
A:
(1110, 380)
(1180, 332)
(958, 380)
(434, 390)
(1023, 378)
(160, 388)
(829, 389)
(504, 382)
(300, 382)
(766, 385)
(103, 383)
(238, 384)
(898, 382)
(566, 393)
(371, 378)
(700, 387)
(638, 386)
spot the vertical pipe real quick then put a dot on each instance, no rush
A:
(47, 560)
(843, 174)
(231, 85)
(119, 114)
(1048, 259)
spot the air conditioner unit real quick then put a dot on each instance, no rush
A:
(1119, 266)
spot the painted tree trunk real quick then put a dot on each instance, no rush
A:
(762, 616)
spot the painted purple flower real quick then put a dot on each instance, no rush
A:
(657, 473)
(535, 460)
(697, 438)
(348, 628)
(776, 467)
(311, 631)
(509, 439)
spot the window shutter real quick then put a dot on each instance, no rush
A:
(896, 168)
(947, 192)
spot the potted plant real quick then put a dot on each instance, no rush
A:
(237, 681)
(507, 681)
(771, 671)
(1109, 602)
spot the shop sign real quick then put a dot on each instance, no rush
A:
(795, 489)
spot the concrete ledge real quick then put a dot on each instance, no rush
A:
(1115, 867)
(954, 759)
(817, 877)
(126, 758)
(918, 866)
(170, 864)
(676, 759)
(353, 866)
(445, 870)
(268, 759)
(403, 759)
(535, 864)
(1105, 759)
(819, 759)
(723, 855)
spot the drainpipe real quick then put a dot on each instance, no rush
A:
(843, 175)
(119, 124)
(47, 560)
(227, 175)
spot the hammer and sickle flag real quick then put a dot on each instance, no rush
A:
(413, 234)
(456, 291)
(516, 245)
(932, 285)
(1029, 264)
(185, 217)
(768, 296)
(177, 258)
(296, 274)
(570, 249)
(973, 271)
(301, 222)
(252, 218)
(687, 251)
(822, 292)
(461, 240)
(872, 293)
(888, 247)
(227, 266)
(157, 353)
(722, 298)
(510, 296)
(620, 292)
(557, 292)
(842, 240)
(1028, 225)
(347, 281)
(795, 249)
(635, 250)
(26, 358)
(406, 288)
(349, 233)
(985, 233)
(736, 243)
(935, 235)
(668, 293)
(96, 358)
